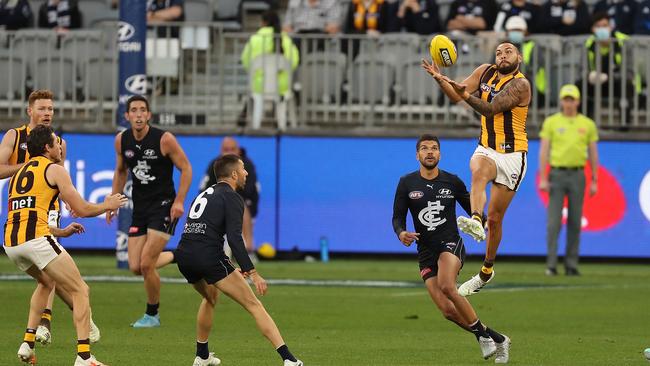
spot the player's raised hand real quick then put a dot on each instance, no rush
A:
(259, 282)
(407, 238)
(177, 210)
(432, 69)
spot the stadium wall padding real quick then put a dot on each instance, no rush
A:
(343, 188)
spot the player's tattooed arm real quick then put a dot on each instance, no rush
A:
(516, 93)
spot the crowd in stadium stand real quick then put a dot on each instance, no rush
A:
(562, 17)
(423, 16)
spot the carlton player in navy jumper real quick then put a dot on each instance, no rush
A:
(430, 194)
(150, 154)
(217, 212)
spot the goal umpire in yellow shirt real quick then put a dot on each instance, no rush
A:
(571, 138)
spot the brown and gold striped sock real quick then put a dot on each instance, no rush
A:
(486, 270)
(30, 337)
(83, 348)
(46, 319)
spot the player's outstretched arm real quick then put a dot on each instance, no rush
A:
(170, 147)
(73, 228)
(471, 82)
(57, 176)
(516, 93)
(6, 149)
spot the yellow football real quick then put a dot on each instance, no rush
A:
(443, 51)
(266, 251)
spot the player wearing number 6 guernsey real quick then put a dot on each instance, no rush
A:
(13, 154)
(217, 212)
(431, 194)
(150, 154)
(29, 243)
(501, 94)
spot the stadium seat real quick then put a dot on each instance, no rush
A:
(83, 44)
(395, 47)
(100, 81)
(254, 6)
(57, 74)
(32, 44)
(371, 80)
(271, 65)
(12, 77)
(315, 87)
(92, 10)
(228, 14)
(416, 87)
(198, 10)
(196, 37)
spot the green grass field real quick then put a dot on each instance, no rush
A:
(600, 318)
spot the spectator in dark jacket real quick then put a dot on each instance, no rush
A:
(642, 18)
(15, 14)
(472, 16)
(419, 16)
(564, 17)
(60, 15)
(160, 11)
(527, 10)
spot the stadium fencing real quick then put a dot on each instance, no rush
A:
(197, 79)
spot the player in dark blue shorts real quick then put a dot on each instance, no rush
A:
(217, 212)
(431, 194)
(150, 155)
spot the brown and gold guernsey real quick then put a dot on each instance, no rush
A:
(31, 197)
(21, 155)
(504, 132)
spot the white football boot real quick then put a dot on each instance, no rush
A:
(95, 335)
(488, 347)
(92, 361)
(503, 351)
(210, 361)
(473, 285)
(26, 354)
(292, 363)
(471, 227)
(43, 335)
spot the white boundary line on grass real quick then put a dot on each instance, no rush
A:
(347, 283)
(506, 288)
(286, 282)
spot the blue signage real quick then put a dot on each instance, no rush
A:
(342, 189)
(131, 40)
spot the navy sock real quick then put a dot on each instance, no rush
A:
(202, 350)
(496, 336)
(283, 350)
(152, 309)
(479, 330)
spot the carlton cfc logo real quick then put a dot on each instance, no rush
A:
(601, 211)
